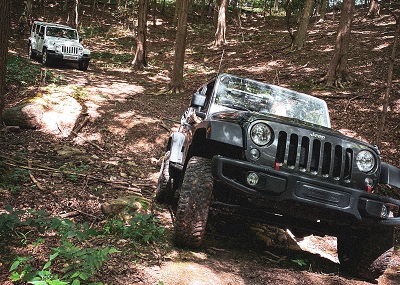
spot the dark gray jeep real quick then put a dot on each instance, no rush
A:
(268, 153)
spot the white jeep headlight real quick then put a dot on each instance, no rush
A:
(261, 134)
(365, 161)
(58, 48)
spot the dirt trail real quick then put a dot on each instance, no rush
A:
(130, 118)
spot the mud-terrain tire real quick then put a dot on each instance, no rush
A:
(164, 192)
(45, 58)
(83, 65)
(366, 254)
(194, 203)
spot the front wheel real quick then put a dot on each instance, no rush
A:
(83, 65)
(45, 58)
(164, 192)
(366, 253)
(194, 203)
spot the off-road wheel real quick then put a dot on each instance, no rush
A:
(194, 203)
(83, 65)
(366, 254)
(45, 58)
(164, 192)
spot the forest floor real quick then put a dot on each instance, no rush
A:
(131, 114)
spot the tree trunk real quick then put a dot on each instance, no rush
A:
(203, 12)
(176, 85)
(300, 37)
(389, 83)
(76, 14)
(337, 72)
(5, 22)
(374, 9)
(220, 34)
(178, 4)
(29, 8)
(140, 59)
(154, 12)
(324, 7)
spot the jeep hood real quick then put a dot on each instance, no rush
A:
(63, 41)
(245, 117)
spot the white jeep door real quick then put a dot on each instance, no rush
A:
(40, 38)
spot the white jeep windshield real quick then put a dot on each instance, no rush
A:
(246, 94)
(62, 33)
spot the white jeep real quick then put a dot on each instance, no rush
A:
(57, 43)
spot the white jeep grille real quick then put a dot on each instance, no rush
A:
(70, 50)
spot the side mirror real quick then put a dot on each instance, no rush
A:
(198, 100)
(201, 115)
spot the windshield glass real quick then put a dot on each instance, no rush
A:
(62, 33)
(250, 95)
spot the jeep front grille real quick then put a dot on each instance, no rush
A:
(314, 156)
(70, 50)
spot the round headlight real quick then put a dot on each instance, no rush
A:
(365, 161)
(261, 134)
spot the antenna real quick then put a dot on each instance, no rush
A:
(220, 61)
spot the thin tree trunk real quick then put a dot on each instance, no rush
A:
(4, 36)
(76, 14)
(203, 13)
(176, 84)
(140, 59)
(324, 7)
(389, 84)
(220, 34)
(374, 9)
(154, 12)
(337, 72)
(300, 37)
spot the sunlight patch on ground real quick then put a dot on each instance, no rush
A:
(92, 137)
(141, 145)
(117, 90)
(381, 46)
(183, 273)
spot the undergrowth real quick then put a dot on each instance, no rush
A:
(69, 262)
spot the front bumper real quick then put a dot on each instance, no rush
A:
(279, 186)
(68, 58)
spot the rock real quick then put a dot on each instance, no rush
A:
(27, 114)
(127, 204)
(54, 113)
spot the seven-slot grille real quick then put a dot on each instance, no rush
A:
(315, 156)
(70, 50)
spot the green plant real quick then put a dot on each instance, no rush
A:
(81, 264)
(71, 171)
(300, 262)
(68, 229)
(80, 93)
(21, 71)
(10, 221)
(12, 177)
(144, 228)
(29, 274)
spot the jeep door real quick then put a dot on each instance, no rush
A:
(40, 38)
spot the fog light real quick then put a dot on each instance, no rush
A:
(252, 178)
(254, 153)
